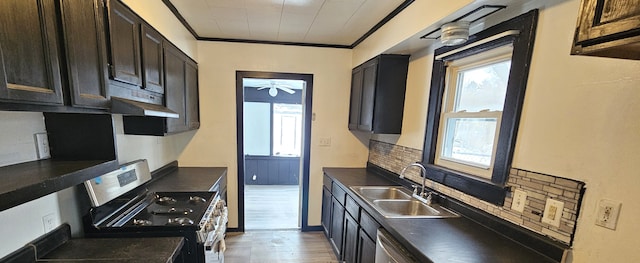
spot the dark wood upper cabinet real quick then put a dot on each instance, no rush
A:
(175, 95)
(608, 28)
(377, 94)
(29, 52)
(356, 98)
(192, 96)
(85, 47)
(124, 40)
(181, 96)
(152, 63)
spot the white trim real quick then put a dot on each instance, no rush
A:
(480, 42)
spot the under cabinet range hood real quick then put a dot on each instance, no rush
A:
(137, 108)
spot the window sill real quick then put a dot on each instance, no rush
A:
(477, 187)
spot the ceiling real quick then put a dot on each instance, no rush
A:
(314, 22)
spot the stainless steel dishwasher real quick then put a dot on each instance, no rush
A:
(389, 250)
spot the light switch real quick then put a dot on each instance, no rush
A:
(519, 200)
(42, 145)
(325, 141)
(607, 214)
(553, 212)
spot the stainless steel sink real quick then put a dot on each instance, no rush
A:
(411, 208)
(397, 202)
(382, 192)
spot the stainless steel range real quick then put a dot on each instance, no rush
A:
(122, 207)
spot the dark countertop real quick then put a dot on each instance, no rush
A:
(153, 249)
(438, 240)
(188, 179)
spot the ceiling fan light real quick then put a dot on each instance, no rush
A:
(454, 33)
(273, 91)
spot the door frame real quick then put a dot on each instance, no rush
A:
(306, 139)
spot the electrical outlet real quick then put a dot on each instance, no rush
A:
(519, 200)
(49, 221)
(42, 145)
(607, 214)
(552, 212)
(325, 141)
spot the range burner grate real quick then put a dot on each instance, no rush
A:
(180, 221)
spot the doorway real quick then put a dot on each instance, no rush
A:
(274, 125)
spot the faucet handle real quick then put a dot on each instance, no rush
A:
(429, 198)
(415, 189)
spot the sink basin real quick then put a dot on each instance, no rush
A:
(397, 202)
(381, 192)
(411, 209)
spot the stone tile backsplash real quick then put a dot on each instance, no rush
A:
(539, 187)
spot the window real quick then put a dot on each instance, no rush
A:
(471, 112)
(287, 129)
(475, 100)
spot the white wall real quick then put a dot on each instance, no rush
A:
(22, 223)
(580, 121)
(215, 142)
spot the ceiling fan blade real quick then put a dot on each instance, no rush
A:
(261, 88)
(285, 89)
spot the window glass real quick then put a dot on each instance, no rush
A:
(287, 129)
(470, 140)
(257, 128)
(482, 88)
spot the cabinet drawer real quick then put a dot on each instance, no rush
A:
(353, 208)
(338, 193)
(326, 181)
(368, 224)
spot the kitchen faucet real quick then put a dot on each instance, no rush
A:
(423, 173)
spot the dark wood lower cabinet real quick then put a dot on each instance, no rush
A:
(326, 211)
(366, 248)
(351, 228)
(337, 221)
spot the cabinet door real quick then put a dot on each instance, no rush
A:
(192, 97)
(86, 53)
(152, 59)
(368, 95)
(337, 221)
(356, 98)
(366, 248)
(124, 32)
(29, 57)
(602, 18)
(350, 246)
(175, 88)
(326, 211)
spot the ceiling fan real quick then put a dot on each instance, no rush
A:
(273, 88)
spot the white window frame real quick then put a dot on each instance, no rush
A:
(496, 55)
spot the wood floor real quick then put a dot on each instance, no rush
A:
(271, 207)
(272, 230)
(278, 246)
